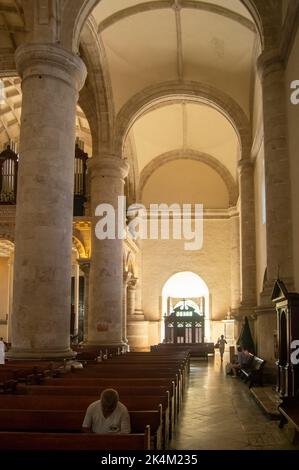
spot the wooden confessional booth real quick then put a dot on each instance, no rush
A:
(287, 309)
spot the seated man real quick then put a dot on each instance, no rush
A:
(244, 359)
(107, 415)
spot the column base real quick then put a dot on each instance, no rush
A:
(137, 332)
(23, 355)
(112, 345)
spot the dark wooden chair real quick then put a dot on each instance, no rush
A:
(253, 373)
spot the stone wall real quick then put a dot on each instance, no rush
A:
(162, 259)
(292, 73)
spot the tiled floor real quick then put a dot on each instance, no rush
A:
(219, 412)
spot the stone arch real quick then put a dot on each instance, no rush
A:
(173, 91)
(212, 162)
(129, 263)
(96, 95)
(79, 247)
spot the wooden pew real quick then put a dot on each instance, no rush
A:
(23, 441)
(64, 421)
(195, 349)
(80, 403)
(112, 378)
(93, 386)
(133, 373)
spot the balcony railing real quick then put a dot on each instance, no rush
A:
(9, 178)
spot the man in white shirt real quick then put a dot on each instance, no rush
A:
(2, 351)
(107, 415)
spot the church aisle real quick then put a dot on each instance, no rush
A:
(220, 413)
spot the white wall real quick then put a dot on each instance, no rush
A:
(4, 283)
(259, 181)
(261, 243)
(162, 259)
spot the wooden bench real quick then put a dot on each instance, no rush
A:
(23, 441)
(64, 421)
(253, 373)
(195, 349)
(80, 403)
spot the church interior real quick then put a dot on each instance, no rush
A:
(169, 107)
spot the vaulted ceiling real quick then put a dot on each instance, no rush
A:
(149, 42)
(213, 42)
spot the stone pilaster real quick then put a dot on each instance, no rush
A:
(235, 261)
(126, 277)
(131, 296)
(51, 80)
(247, 236)
(277, 173)
(85, 268)
(106, 274)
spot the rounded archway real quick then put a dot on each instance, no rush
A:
(6, 286)
(188, 286)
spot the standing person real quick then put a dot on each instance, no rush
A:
(2, 351)
(222, 342)
(107, 415)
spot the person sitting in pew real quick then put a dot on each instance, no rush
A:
(243, 361)
(107, 415)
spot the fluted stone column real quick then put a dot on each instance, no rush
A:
(106, 273)
(76, 298)
(85, 268)
(126, 277)
(131, 296)
(137, 327)
(247, 234)
(277, 173)
(51, 80)
(138, 294)
(235, 261)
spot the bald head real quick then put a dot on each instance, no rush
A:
(109, 400)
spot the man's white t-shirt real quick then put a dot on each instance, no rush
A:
(2, 352)
(117, 422)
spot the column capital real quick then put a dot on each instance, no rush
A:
(269, 61)
(108, 165)
(126, 277)
(52, 61)
(132, 284)
(84, 265)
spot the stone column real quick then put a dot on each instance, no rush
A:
(277, 173)
(247, 234)
(51, 80)
(10, 295)
(235, 261)
(85, 268)
(106, 273)
(138, 289)
(137, 328)
(126, 277)
(131, 296)
(76, 298)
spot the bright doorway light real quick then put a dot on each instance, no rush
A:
(185, 285)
